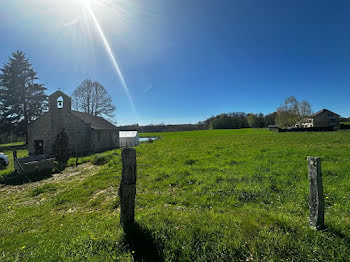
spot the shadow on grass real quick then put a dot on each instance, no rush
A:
(14, 178)
(141, 243)
(336, 233)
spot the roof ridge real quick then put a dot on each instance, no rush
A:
(96, 122)
(323, 110)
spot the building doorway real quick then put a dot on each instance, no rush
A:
(39, 147)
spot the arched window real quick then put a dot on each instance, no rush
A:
(60, 102)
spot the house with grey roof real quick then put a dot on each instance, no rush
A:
(321, 119)
(86, 133)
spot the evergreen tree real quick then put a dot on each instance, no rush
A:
(22, 99)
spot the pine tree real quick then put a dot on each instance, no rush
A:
(22, 100)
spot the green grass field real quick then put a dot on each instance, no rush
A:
(12, 144)
(6, 149)
(217, 195)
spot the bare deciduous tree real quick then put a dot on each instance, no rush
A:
(92, 98)
(292, 111)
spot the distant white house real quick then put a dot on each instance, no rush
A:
(128, 138)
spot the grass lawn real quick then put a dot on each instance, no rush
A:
(12, 144)
(5, 148)
(217, 195)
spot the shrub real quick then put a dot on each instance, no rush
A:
(100, 159)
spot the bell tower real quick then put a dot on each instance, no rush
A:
(60, 102)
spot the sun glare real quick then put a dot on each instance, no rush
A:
(88, 7)
(85, 2)
(110, 53)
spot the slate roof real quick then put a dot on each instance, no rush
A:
(323, 110)
(97, 122)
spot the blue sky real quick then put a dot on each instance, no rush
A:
(186, 60)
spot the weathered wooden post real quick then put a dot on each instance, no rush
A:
(14, 154)
(316, 200)
(127, 189)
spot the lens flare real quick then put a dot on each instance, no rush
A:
(109, 52)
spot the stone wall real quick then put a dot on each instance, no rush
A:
(102, 140)
(47, 127)
(82, 138)
(324, 119)
(40, 129)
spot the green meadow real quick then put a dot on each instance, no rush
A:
(216, 195)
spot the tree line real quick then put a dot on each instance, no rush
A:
(290, 112)
(163, 128)
(286, 115)
(23, 99)
(240, 120)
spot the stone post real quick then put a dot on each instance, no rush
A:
(316, 200)
(127, 189)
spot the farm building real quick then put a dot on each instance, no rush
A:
(322, 118)
(128, 138)
(86, 133)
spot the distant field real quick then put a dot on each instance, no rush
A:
(12, 144)
(345, 123)
(215, 195)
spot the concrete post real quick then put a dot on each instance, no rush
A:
(127, 189)
(316, 200)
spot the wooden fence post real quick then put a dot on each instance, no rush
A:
(14, 154)
(127, 189)
(316, 200)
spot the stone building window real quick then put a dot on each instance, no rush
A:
(60, 102)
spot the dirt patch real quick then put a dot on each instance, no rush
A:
(69, 174)
(75, 173)
(108, 193)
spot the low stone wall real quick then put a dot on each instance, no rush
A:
(309, 129)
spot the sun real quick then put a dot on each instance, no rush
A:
(85, 3)
(83, 16)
